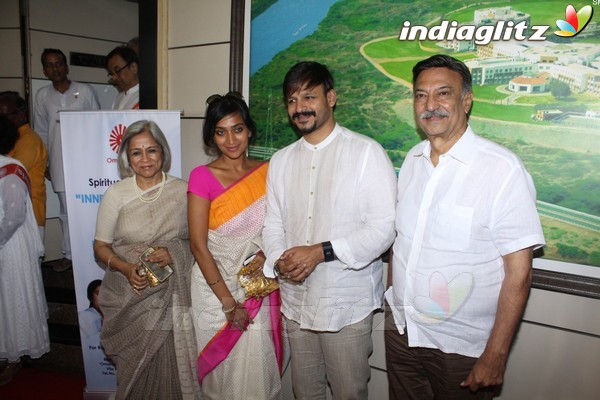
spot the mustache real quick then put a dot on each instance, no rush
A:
(304, 113)
(434, 113)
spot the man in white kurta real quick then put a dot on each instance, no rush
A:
(330, 212)
(62, 95)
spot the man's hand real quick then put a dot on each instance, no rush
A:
(487, 371)
(299, 262)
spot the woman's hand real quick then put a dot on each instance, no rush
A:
(160, 255)
(256, 265)
(136, 276)
(238, 317)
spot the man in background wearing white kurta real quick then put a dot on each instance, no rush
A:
(62, 95)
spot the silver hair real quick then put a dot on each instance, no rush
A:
(135, 129)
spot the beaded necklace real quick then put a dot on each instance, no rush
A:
(152, 198)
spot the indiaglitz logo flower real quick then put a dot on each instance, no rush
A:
(444, 299)
(115, 137)
(575, 21)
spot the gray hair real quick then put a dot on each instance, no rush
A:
(135, 129)
(445, 61)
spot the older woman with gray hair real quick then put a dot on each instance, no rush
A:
(142, 238)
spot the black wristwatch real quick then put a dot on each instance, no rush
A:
(276, 269)
(328, 253)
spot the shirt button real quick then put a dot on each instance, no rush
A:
(309, 217)
(314, 167)
(307, 242)
(311, 193)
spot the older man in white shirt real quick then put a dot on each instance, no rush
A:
(467, 225)
(330, 213)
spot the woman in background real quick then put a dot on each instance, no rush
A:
(23, 308)
(240, 340)
(144, 330)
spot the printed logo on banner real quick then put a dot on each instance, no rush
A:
(115, 137)
(575, 22)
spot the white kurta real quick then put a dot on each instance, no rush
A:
(23, 309)
(48, 102)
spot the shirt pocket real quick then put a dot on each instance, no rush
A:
(451, 227)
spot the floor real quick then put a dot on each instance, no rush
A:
(58, 374)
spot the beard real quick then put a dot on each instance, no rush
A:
(304, 129)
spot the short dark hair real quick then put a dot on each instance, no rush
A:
(91, 288)
(307, 74)
(53, 51)
(8, 135)
(17, 101)
(126, 53)
(219, 108)
(444, 61)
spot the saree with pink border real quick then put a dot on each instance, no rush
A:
(232, 363)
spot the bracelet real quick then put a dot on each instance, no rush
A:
(230, 310)
(214, 283)
(109, 260)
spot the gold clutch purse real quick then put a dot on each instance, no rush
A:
(255, 283)
(156, 274)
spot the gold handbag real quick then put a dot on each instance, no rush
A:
(156, 274)
(255, 283)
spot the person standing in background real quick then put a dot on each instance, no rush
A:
(30, 151)
(62, 95)
(23, 308)
(122, 66)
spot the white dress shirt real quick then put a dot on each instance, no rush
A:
(48, 102)
(454, 223)
(341, 190)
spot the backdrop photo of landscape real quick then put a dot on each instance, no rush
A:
(541, 99)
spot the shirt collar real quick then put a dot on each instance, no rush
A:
(462, 151)
(132, 89)
(334, 133)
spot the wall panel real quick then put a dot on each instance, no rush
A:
(195, 74)
(12, 63)
(198, 22)
(113, 20)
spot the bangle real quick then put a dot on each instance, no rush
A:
(229, 310)
(328, 253)
(214, 283)
(109, 260)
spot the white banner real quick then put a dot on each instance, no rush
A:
(90, 142)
